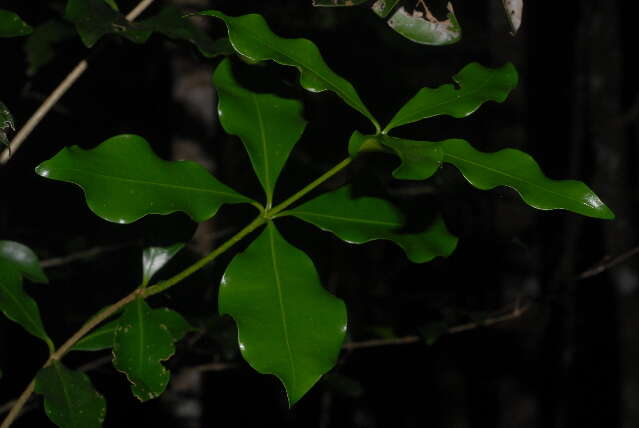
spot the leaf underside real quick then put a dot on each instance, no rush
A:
(425, 30)
(70, 400)
(366, 219)
(288, 324)
(124, 180)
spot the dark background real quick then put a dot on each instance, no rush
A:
(569, 361)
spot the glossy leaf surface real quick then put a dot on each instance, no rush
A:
(40, 47)
(124, 180)
(518, 170)
(12, 26)
(384, 7)
(268, 125)
(251, 37)
(99, 339)
(140, 345)
(24, 260)
(6, 123)
(70, 400)
(288, 324)
(425, 29)
(17, 305)
(477, 84)
(94, 19)
(420, 159)
(367, 219)
(337, 3)
(154, 259)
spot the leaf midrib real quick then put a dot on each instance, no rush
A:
(151, 183)
(278, 286)
(543, 188)
(448, 101)
(328, 83)
(347, 219)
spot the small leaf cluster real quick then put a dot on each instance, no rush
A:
(288, 324)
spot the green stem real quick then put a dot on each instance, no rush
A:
(321, 179)
(265, 215)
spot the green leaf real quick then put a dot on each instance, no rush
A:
(140, 344)
(6, 121)
(288, 325)
(420, 159)
(112, 4)
(124, 180)
(40, 46)
(268, 125)
(518, 170)
(367, 219)
(154, 259)
(94, 19)
(426, 30)
(12, 26)
(173, 321)
(337, 3)
(17, 305)
(478, 84)
(172, 23)
(384, 7)
(99, 339)
(251, 37)
(102, 337)
(24, 260)
(431, 332)
(70, 400)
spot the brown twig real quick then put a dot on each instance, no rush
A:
(514, 313)
(55, 96)
(607, 263)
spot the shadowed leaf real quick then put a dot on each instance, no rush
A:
(288, 325)
(477, 84)
(41, 45)
(268, 125)
(24, 260)
(337, 3)
(70, 400)
(251, 37)
(124, 180)
(17, 305)
(367, 219)
(12, 26)
(99, 339)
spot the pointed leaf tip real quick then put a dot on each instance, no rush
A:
(477, 85)
(268, 125)
(251, 36)
(297, 329)
(123, 180)
(518, 170)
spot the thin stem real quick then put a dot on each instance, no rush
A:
(264, 216)
(311, 186)
(55, 96)
(161, 286)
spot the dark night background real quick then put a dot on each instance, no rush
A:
(569, 361)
